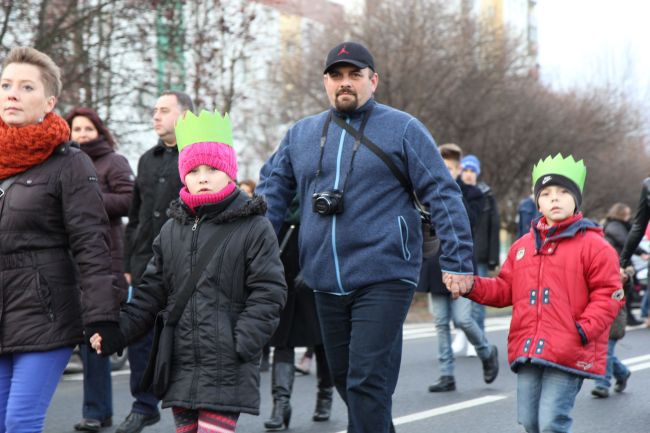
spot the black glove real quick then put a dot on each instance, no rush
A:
(112, 338)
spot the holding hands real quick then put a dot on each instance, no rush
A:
(458, 285)
(105, 338)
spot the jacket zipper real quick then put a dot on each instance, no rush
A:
(533, 347)
(337, 268)
(193, 254)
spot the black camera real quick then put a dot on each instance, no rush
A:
(328, 202)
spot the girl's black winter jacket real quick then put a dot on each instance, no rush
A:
(233, 311)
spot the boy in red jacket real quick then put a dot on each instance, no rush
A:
(562, 279)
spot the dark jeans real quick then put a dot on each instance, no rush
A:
(145, 402)
(362, 335)
(98, 388)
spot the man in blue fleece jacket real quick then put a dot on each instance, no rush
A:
(363, 256)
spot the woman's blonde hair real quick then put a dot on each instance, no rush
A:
(50, 72)
(618, 211)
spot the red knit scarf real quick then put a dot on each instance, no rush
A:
(22, 148)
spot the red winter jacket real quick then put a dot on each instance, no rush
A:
(563, 283)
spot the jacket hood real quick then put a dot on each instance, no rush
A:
(240, 207)
(562, 231)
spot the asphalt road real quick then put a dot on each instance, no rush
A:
(473, 407)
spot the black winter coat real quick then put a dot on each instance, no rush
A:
(486, 234)
(55, 265)
(638, 225)
(430, 273)
(299, 324)
(116, 183)
(232, 313)
(157, 184)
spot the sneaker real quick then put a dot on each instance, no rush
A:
(135, 422)
(600, 392)
(444, 384)
(304, 366)
(459, 344)
(621, 384)
(93, 425)
(491, 366)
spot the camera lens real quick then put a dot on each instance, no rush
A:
(322, 205)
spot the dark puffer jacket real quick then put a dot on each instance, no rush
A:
(116, 183)
(53, 241)
(232, 313)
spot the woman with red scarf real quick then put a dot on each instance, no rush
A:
(116, 183)
(55, 265)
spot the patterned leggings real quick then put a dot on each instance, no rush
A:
(204, 421)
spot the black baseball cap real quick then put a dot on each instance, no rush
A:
(352, 53)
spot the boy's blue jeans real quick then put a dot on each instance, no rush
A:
(460, 311)
(615, 367)
(545, 398)
(27, 383)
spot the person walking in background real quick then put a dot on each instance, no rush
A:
(298, 327)
(617, 228)
(55, 259)
(459, 310)
(116, 183)
(486, 232)
(156, 185)
(234, 306)
(351, 194)
(563, 283)
(526, 213)
(248, 186)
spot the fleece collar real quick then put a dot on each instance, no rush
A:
(240, 207)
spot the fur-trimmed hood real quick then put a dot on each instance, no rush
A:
(240, 207)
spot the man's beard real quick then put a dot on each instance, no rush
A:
(346, 106)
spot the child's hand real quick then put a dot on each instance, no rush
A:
(458, 285)
(96, 343)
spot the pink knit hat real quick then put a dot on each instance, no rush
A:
(218, 155)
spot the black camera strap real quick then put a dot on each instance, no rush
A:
(358, 136)
(404, 180)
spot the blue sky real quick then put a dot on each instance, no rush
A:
(595, 41)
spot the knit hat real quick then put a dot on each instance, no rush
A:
(471, 162)
(206, 139)
(560, 171)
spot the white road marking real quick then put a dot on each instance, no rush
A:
(419, 416)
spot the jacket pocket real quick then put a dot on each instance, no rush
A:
(29, 193)
(44, 294)
(404, 237)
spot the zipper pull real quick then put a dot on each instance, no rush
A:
(196, 222)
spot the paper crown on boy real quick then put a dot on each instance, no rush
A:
(205, 139)
(560, 171)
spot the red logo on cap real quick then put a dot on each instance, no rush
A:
(343, 51)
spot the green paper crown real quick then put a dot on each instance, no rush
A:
(208, 127)
(567, 167)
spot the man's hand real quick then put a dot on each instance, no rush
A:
(127, 275)
(458, 285)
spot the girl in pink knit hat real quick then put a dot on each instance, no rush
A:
(235, 306)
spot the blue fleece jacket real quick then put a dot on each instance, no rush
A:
(378, 236)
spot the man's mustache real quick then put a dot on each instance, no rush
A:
(346, 91)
